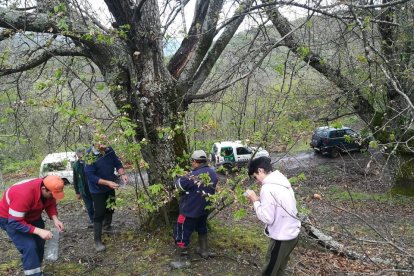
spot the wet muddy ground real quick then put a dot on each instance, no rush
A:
(355, 208)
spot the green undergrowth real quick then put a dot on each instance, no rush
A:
(28, 166)
(149, 252)
(70, 194)
(241, 238)
(339, 194)
(7, 268)
(402, 191)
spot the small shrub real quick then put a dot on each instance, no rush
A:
(28, 166)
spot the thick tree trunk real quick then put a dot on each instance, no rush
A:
(396, 122)
(402, 166)
(142, 81)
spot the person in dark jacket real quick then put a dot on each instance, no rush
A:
(101, 161)
(21, 217)
(195, 187)
(80, 183)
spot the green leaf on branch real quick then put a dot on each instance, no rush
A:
(59, 8)
(100, 86)
(362, 58)
(9, 110)
(280, 69)
(373, 144)
(155, 189)
(303, 52)
(58, 73)
(337, 125)
(62, 25)
(295, 179)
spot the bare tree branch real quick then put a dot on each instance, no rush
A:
(205, 68)
(35, 22)
(45, 56)
(187, 47)
(361, 104)
(208, 31)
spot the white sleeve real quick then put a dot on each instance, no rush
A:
(266, 207)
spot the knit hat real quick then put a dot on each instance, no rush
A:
(199, 155)
(80, 151)
(54, 184)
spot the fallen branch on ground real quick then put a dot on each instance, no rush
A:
(329, 243)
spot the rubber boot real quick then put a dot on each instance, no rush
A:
(107, 221)
(97, 236)
(203, 246)
(181, 259)
(107, 227)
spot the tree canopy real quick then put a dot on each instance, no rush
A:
(367, 59)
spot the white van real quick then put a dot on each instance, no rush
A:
(60, 164)
(230, 154)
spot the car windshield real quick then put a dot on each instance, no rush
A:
(243, 151)
(56, 166)
(350, 132)
(226, 151)
(321, 133)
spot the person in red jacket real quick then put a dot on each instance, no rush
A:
(20, 216)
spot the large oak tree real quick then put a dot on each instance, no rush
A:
(154, 94)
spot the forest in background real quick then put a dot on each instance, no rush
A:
(277, 106)
(67, 73)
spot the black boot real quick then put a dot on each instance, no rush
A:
(181, 259)
(97, 236)
(203, 246)
(107, 221)
(107, 227)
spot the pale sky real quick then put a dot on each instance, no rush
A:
(290, 12)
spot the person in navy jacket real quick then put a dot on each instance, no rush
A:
(101, 161)
(21, 217)
(195, 189)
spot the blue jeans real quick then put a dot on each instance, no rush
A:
(31, 246)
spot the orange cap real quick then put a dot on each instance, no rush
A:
(54, 184)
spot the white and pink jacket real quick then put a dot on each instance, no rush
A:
(277, 207)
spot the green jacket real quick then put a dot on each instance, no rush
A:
(80, 181)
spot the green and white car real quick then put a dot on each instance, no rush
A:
(60, 164)
(233, 153)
